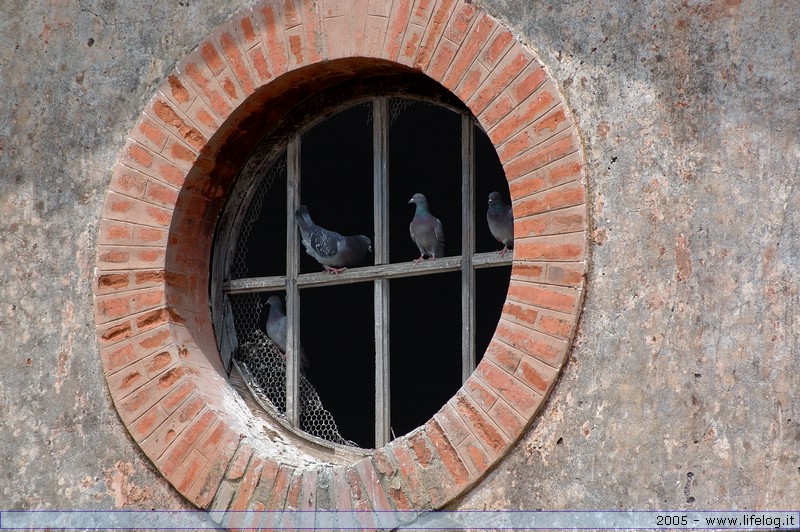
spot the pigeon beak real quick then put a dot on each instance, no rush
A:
(411, 200)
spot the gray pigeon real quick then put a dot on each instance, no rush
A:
(276, 330)
(426, 230)
(334, 251)
(501, 221)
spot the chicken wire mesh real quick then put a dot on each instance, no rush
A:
(261, 358)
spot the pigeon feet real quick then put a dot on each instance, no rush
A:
(333, 271)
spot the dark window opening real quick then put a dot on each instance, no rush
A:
(360, 389)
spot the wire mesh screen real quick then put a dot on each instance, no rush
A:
(262, 359)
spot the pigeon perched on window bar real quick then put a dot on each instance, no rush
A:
(501, 221)
(333, 251)
(276, 330)
(426, 230)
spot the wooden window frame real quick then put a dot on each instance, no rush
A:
(380, 274)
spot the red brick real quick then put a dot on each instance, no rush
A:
(147, 423)
(503, 355)
(531, 226)
(176, 123)
(158, 442)
(549, 350)
(149, 236)
(447, 453)
(178, 396)
(481, 394)
(433, 34)
(269, 473)
(474, 42)
(471, 81)
(308, 495)
(247, 486)
(189, 471)
(520, 313)
(149, 278)
(127, 380)
(209, 479)
(536, 374)
(502, 76)
(272, 35)
(441, 60)
(495, 111)
(202, 117)
(528, 82)
(113, 333)
(420, 448)
(568, 220)
(208, 88)
(474, 456)
(512, 391)
(372, 487)
(541, 155)
(128, 181)
(409, 473)
(398, 21)
(177, 453)
(374, 34)
(340, 490)
(178, 91)
(108, 308)
(561, 197)
(280, 489)
(148, 163)
(212, 57)
(158, 362)
(314, 37)
(568, 247)
(236, 59)
(452, 425)
(509, 421)
(116, 357)
(239, 463)
(150, 133)
(260, 64)
(528, 272)
(566, 274)
(489, 435)
(500, 43)
(526, 113)
(460, 22)
(108, 282)
(556, 325)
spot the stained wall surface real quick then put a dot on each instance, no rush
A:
(682, 388)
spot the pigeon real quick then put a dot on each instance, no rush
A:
(333, 251)
(426, 230)
(276, 330)
(501, 221)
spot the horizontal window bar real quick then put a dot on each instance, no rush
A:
(368, 273)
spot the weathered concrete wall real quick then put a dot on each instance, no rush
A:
(684, 386)
(687, 355)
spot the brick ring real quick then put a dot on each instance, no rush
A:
(170, 182)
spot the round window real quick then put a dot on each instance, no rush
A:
(383, 338)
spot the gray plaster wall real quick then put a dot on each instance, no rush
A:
(683, 386)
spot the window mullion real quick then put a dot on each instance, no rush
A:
(381, 286)
(468, 358)
(292, 290)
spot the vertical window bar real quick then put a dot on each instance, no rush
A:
(380, 136)
(467, 249)
(292, 291)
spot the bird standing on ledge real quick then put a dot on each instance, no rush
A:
(426, 230)
(501, 221)
(333, 251)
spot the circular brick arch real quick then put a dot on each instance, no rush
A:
(170, 183)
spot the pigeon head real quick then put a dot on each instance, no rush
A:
(419, 199)
(275, 301)
(366, 241)
(494, 197)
